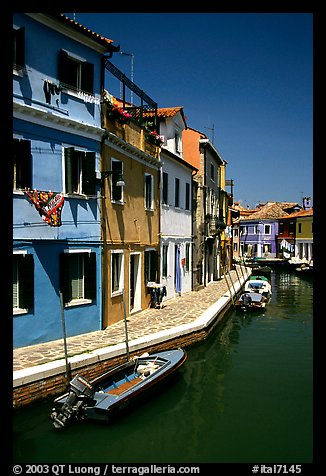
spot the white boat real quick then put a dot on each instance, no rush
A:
(259, 284)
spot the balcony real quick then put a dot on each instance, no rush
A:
(135, 124)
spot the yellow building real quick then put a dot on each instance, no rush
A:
(304, 235)
(130, 216)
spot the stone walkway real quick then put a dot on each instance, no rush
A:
(180, 310)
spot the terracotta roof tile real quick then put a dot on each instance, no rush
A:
(271, 210)
(95, 36)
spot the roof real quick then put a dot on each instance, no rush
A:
(300, 214)
(106, 42)
(166, 112)
(271, 211)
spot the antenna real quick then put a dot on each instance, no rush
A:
(211, 129)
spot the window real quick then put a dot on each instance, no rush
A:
(165, 187)
(212, 172)
(75, 73)
(18, 60)
(116, 190)
(281, 228)
(187, 257)
(299, 227)
(267, 229)
(187, 200)
(78, 277)
(22, 177)
(165, 260)
(178, 142)
(79, 171)
(149, 192)
(177, 193)
(291, 227)
(151, 257)
(116, 272)
(23, 283)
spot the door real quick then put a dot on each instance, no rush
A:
(134, 283)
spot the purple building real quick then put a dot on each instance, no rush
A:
(259, 231)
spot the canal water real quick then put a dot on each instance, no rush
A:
(243, 396)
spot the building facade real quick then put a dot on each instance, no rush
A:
(176, 205)
(130, 210)
(209, 207)
(57, 136)
(259, 231)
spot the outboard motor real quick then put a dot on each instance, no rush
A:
(80, 393)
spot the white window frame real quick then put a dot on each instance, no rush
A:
(266, 227)
(118, 291)
(151, 208)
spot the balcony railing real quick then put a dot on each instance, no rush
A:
(146, 113)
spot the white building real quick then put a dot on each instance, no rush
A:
(176, 205)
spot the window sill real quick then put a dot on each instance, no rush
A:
(18, 311)
(78, 302)
(116, 293)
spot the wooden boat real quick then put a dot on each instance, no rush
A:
(259, 284)
(261, 270)
(251, 301)
(105, 396)
(305, 269)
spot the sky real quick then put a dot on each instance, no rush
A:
(244, 79)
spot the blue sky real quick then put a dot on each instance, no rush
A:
(247, 75)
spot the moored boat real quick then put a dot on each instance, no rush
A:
(251, 301)
(259, 284)
(105, 396)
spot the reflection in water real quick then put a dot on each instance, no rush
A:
(244, 395)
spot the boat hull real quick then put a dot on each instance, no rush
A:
(124, 386)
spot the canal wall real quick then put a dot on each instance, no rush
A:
(41, 381)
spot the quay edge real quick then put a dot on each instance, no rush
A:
(42, 381)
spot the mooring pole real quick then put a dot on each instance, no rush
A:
(125, 321)
(63, 323)
(235, 293)
(231, 296)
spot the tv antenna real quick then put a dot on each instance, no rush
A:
(211, 129)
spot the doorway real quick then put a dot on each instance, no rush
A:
(134, 283)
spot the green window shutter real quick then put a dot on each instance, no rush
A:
(26, 282)
(65, 287)
(90, 275)
(63, 67)
(26, 164)
(70, 166)
(87, 77)
(15, 282)
(19, 53)
(89, 178)
(23, 164)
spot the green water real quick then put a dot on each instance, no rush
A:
(244, 395)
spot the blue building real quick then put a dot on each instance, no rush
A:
(58, 79)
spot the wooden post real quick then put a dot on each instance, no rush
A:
(63, 323)
(227, 283)
(125, 321)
